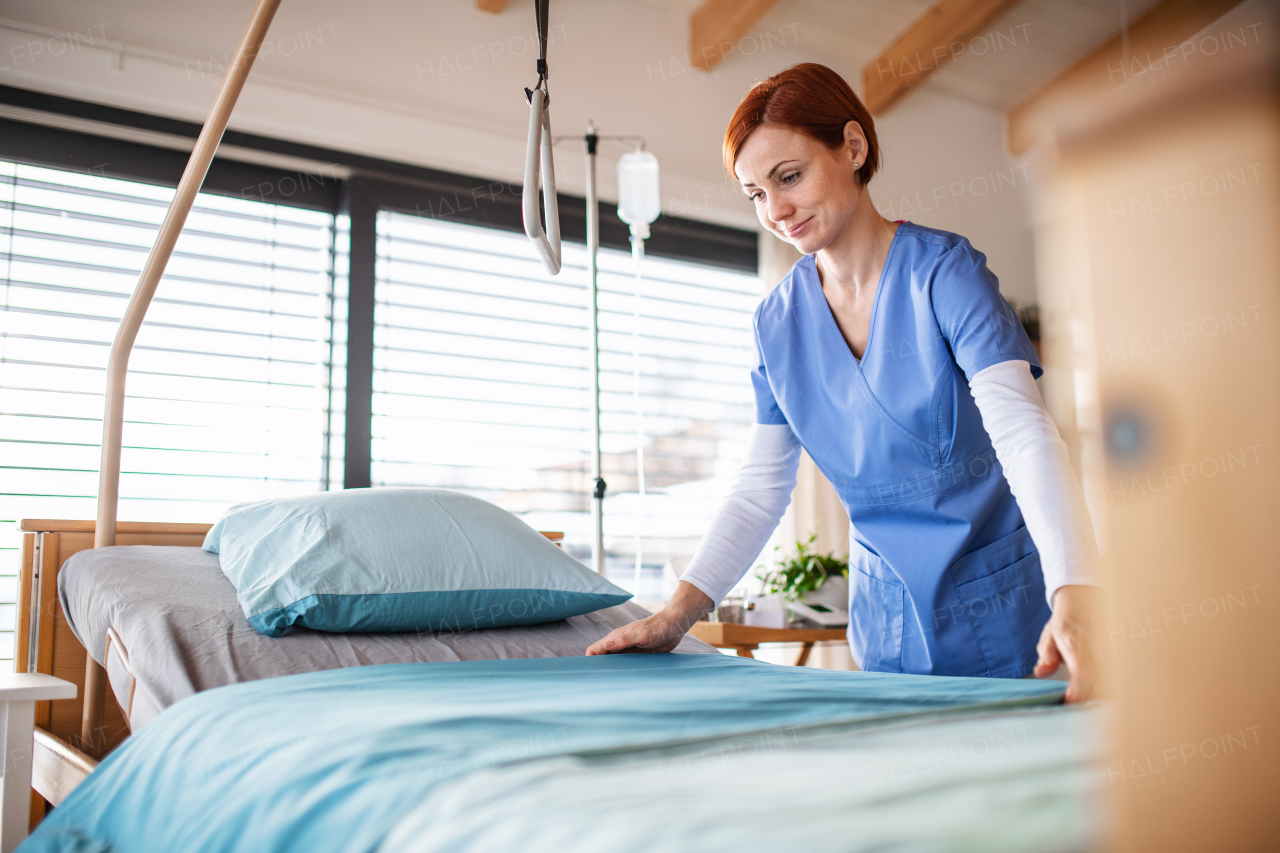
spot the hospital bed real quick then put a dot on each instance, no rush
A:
(625, 752)
(285, 741)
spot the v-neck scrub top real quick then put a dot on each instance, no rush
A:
(944, 577)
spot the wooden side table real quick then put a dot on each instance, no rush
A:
(747, 638)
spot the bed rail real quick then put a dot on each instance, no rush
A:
(115, 644)
(56, 768)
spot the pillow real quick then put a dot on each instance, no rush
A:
(391, 560)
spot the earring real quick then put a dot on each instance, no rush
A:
(856, 165)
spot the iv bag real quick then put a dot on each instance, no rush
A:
(638, 200)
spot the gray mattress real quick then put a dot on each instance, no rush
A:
(177, 616)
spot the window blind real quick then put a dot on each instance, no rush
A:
(481, 384)
(235, 383)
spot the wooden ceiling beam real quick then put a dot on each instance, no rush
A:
(1155, 47)
(493, 7)
(936, 38)
(716, 26)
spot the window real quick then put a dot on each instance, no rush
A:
(481, 384)
(473, 361)
(231, 390)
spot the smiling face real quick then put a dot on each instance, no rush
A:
(803, 191)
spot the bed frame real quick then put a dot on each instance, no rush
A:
(72, 735)
(70, 732)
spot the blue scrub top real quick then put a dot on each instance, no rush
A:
(943, 576)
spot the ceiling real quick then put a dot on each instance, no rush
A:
(1037, 41)
(331, 65)
(1048, 36)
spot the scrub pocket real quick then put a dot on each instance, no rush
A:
(875, 622)
(1001, 589)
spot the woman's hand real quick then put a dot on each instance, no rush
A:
(654, 634)
(1065, 638)
(662, 631)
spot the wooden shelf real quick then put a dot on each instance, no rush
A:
(727, 635)
(747, 638)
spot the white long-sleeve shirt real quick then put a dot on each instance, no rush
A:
(1026, 442)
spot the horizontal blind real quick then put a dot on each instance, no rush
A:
(481, 383)
(229, 392)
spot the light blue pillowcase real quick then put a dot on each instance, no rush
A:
(383, 560)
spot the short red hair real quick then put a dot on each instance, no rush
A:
(811, 99)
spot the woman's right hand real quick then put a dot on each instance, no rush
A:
(660, 632)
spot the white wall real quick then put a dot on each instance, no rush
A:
(945, 166)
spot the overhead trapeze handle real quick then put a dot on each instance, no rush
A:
(539, 170)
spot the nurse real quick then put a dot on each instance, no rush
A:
(888, 354)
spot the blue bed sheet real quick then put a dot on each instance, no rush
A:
(334, 760)
(1020, 780)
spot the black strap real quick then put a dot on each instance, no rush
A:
(541, 8)
(540, 11)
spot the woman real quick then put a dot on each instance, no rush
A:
(889, 355)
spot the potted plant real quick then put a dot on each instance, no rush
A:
(809, 577)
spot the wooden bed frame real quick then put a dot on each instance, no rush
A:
(63, 754)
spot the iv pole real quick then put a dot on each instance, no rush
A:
(592, 140)
(593, 245)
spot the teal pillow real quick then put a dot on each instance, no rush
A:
(382, 560)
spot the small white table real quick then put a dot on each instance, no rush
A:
(19, 693)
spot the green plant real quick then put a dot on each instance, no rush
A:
(803, 573)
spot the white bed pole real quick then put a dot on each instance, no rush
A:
(593, 245)
(118, 363)
(188, 187)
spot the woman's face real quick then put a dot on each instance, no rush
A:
(803, 191)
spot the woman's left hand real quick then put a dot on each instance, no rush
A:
(1065, 639)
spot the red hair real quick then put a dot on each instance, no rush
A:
(811, 99)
